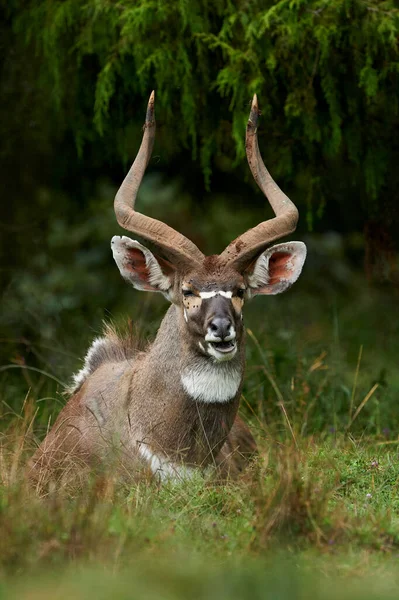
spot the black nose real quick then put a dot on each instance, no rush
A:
(220, 327)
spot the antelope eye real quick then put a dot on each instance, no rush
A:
(187, 293)
(240, 293)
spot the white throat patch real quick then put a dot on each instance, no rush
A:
(210, 382)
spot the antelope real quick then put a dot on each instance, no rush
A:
(173, 409)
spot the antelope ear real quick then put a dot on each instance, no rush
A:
(140, 267)
(275, 270)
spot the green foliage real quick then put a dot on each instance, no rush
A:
(326, 74)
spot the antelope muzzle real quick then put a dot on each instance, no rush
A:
(220, 328)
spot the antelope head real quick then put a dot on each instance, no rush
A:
(208, 291)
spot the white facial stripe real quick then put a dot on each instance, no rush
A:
(185, 316)
(206, 295)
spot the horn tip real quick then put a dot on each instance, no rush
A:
(149, 119)
(254, 114)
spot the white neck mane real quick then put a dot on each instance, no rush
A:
(209, 382)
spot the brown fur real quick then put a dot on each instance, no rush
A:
(239, 448)
(136, 399)
(142, 407)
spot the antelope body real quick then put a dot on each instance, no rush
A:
(174, 407)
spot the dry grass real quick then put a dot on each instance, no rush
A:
(327, 494)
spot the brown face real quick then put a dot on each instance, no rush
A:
(213, 315)
(210, 296)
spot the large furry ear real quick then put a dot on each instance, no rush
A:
(140, 267)
(275, 270)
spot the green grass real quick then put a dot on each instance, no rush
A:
(317, 515)
(323, 513)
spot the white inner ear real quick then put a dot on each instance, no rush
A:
(156, 279)
(264, 280)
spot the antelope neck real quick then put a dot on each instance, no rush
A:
(202, 379)
(199, 399)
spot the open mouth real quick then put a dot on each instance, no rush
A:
(224, 347)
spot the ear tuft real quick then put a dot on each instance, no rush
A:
(275, 270)
(140, 267)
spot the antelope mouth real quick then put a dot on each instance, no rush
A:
(224, 347)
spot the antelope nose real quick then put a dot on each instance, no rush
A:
(220, 327)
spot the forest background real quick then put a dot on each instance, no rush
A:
(75, 79)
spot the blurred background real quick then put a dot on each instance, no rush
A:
(75, 80)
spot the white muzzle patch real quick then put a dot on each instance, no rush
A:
(220, 349)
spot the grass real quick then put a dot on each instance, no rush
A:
(317, 515)
(326, 510)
